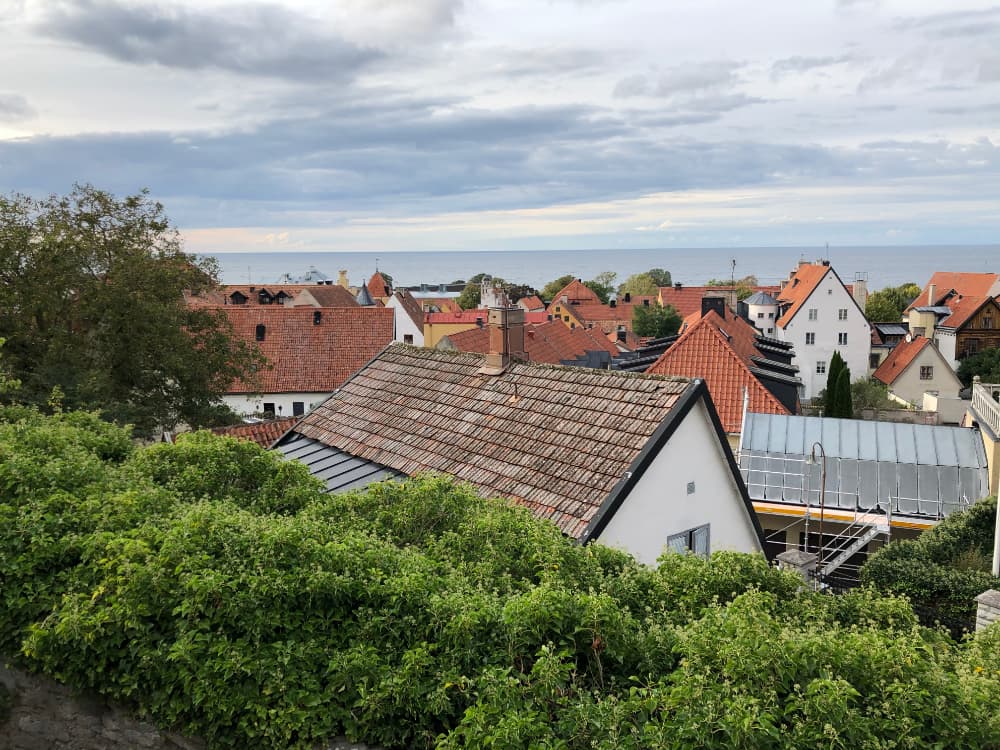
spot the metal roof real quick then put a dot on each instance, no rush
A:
(761, 298)
(892, 329)
(914, 469)
(339, 470)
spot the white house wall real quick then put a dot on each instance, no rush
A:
(909, 387)
(946, 343)
(659, 504)
(405, 325)
(828, 298)
(253, 405)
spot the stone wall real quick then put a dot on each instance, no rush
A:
(37, 713)
(988, 610)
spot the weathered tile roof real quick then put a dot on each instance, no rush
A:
(554, 439)
(262, 433)
(479, 313)
(221, 295)
(378, 287)
(899, 359)
(547, 343)
(332, 295)
(805, 279)
(411, 307)
(720, 351)
(966, 284)
(308, 357)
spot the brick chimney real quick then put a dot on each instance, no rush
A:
(506, 325)
(342, 279)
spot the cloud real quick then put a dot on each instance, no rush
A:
(261, 40)
(791, 65)
(14, 108)
(689, 78)
(955, 24)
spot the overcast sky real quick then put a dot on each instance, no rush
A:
(510, 124)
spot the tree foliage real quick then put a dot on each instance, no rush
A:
(887, 305)
(550, 290)
(660, 276)
(218, 590)
(868, 393)
(985, 364)
(655, 321)
(603, 284)
(94, 307)
(831, 395)
(944, 569)
(645, 283)
(744, 286)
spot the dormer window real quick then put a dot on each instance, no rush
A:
(260, 331)
(237, 298)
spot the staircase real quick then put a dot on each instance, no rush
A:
(854, 539)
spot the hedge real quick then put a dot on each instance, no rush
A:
(218, 591)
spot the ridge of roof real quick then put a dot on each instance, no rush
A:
(899, 359)
(411, 307)
(964, 283)
(799, 288)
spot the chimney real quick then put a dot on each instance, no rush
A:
(860, 290)
(678, 285)
(622, 334)
(506, 339)
(613, 302)
(713, 303)
(930, 294)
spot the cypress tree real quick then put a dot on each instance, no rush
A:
(845, 406)
(832, 373)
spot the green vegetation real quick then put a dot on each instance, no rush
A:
(655, 320)
(93, 308)
(602, 285)
(471, 296)
(985, 364)
(868, 393)
(887, 305)
(645, 283)
(944, 569)
(219, 591)
(837, 397)
(744, 286)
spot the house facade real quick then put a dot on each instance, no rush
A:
(637, 462)
(820, 316)
(915, 367)
(409, 318)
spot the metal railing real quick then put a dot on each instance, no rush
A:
(985, 405)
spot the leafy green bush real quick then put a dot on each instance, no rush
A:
(217, 590)
(934, 569)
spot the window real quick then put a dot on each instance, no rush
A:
(770, 330)
(842, 339)
(298, 408)
(408, 338)
(693, 540)
(873, 362)
(269, 409)
(926, 372)
(820, 367)
(760, 315)
(810, 339)
(260, 331)
(770, 315)
(987, 321)
(812, 313)
(842, 313)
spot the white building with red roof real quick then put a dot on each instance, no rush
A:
(819, 316)
(915, 367)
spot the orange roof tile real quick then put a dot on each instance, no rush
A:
(805, 279)
(547, 343)
(899, 359)
(480, 313)
(576, 292)
(222, 294)
(556, 440)
(966, 284)
(378, 287)
(308, 357)
(963, 308)
(704, 351)
(262, 433)
(532, 303)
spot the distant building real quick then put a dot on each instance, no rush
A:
(409, 318)
(310, 351)
(763, 311)
(635, 462)
(960, 312)
(916, 367)
(820, 316)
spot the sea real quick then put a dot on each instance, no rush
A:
(881, 266)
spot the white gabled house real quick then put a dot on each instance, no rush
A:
(409, 318)
(633, 461)
(818, 316)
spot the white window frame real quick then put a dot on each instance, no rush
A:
(927, 372)
(821, 367)
(842, 313)
(842, 338)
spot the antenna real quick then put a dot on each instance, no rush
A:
(732, 277)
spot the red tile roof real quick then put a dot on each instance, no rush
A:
(333, 295)
(554, 439)
(899, 359)
(963, 308)
(805, 279)
(532, 303)
(704, 351)
(575, 291)
(378, 287)
(262, 433)
(221, 295)
(305, 357)
(966, 284)
(547, 343)
(481, 313)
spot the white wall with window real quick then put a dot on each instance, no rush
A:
(686, 498)
(407, 332)
(277, 404)
(927, 372)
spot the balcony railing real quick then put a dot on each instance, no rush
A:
(985, 402)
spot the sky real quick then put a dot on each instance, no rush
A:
(382, 125)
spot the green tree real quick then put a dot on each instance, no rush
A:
(555, 286)
(659, 276)
(831, 408)
(8, 384)
(744, 286)
(868, 393)
(887, 304)
(655, 321)
(845, 406)
(94, 306)
(985, 364)
(639, 284)
(603, 284)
